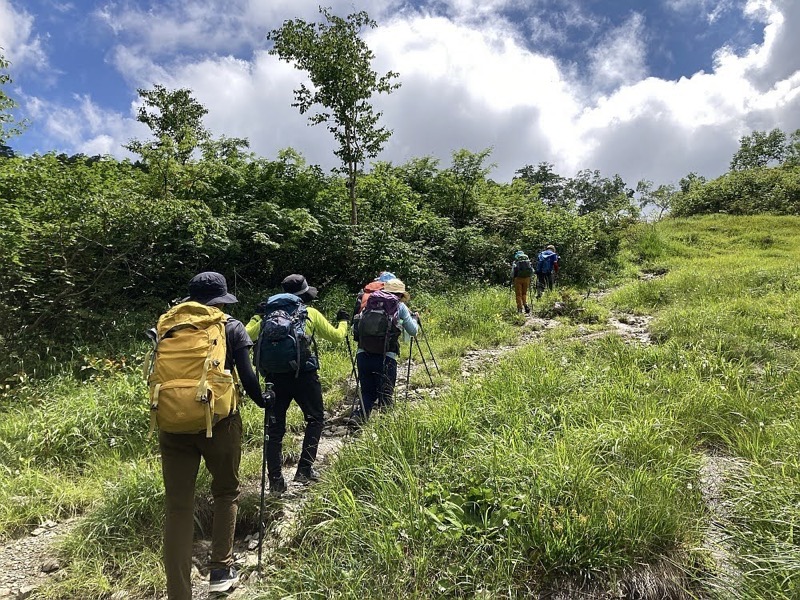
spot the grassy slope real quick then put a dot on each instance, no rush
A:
(72, 445)
(574, 462)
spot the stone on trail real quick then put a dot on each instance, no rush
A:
(50, 565)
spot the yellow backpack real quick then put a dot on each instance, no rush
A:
(190, 389)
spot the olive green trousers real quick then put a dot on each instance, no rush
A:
(180, 461)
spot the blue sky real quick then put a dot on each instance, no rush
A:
(651, 89)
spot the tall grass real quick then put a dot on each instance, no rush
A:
(76, 443)
(570, 467)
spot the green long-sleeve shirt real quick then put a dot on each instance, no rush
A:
(318, 326)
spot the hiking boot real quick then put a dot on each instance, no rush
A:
(306, 476)
(277, 486)
(527, 309)
(223, 580)
(356, 420)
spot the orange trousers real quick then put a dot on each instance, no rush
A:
(521, 285)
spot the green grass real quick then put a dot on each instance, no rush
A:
(577, 465)
(77, 443)
(568, 465)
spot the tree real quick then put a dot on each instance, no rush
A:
(689, 181)
(792, 158)
(176, 120)
(660, 197)
(551, 184)
(338, 62)
(759, 149)
(593, 193)
(8, 126)
(457, 189)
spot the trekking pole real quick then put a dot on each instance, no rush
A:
(424, 363)
(425, 337)
(408, 370)
(267, 415)
(355, 376)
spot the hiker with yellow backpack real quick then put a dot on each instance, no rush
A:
(201, 355)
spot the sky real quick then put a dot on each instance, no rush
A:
(647, 89)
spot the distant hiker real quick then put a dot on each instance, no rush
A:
(546, 269)
(285, 331)
(373, 286)
(521, 272)
(377, 329)
(199, 350)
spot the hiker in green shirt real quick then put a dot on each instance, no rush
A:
(294, 374)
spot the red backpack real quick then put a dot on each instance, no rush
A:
(372, 286)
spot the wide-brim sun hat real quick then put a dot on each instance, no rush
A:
(395, 286)
(551, 247)
(297, 285)
(210, 288)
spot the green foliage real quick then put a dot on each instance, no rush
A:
(338, 63)
(175, 119)
(753, 191)
(759, 149)
(9, 126)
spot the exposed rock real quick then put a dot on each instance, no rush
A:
(26, 591)
(50, 565)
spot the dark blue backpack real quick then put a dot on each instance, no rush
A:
(545, 261)
(283, 346)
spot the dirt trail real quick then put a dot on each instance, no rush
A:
(26, 562)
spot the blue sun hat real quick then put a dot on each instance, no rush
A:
(518, 254)
(385, 276)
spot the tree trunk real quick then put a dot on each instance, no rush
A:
(351, 188)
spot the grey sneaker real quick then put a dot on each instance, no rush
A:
(277, 487)
(307, 476)
(223, 580)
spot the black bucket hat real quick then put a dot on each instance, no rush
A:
(210, 288)
(297, 285)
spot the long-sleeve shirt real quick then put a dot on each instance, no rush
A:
(318, 326)
(408, 326)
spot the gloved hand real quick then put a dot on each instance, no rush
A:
(267, 399)
(343, 315)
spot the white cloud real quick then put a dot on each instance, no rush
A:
(213, 26)
(21, 46)
(712, 10)
(83, 126)
(471, 86)
(620, 57)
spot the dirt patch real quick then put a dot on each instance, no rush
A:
(715, 469)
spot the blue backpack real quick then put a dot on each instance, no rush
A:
(283, 346)
(545, 261)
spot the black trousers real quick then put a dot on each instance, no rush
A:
(307, 392)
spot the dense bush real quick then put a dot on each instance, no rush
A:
(748, 192)
(93, 248)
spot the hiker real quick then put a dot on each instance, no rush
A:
(373, 286)
(291, 363)
(377, 330)
(546, 269)
(183, 444)
(521, 271)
